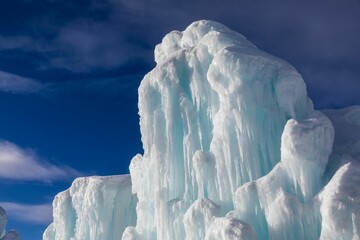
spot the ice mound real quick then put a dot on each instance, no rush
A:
(232, 150)
(93, 208)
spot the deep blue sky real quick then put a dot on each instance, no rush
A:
(69, 72)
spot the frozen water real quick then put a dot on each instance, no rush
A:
(280, 204)
(230, 229)
(211, 113)
(340, 203)
(233, 149)
(347, 127)
(340, 199)
(93, 208)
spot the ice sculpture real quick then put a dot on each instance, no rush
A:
(93, 208)
(211, 113)
(232, 150)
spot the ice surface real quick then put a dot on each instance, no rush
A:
(347, 127)
(211, 113)
(340, 199)
(280, 204)
(340, 203)
(230, 229)
(93, 208)
(233, 149)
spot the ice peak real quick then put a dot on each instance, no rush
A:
(193, 36)
(214, 114)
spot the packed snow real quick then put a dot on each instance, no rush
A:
(233, 149)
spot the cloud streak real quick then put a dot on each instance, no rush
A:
(33, 214)
(16, 84)
(23, 164)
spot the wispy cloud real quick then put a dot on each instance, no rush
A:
(34, 214)
(16, 84)
(7, 43)
(23, 164)
(315, 37)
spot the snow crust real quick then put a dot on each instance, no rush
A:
(233, 149)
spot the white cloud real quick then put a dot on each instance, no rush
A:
(16, 84)
(35, 214)
(17, 163)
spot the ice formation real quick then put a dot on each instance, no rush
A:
(93, 208)
(233, 149)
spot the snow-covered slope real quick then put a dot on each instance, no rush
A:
(232, 150)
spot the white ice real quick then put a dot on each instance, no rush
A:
(93, 208)
(233, 149)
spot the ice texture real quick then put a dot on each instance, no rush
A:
(211, 114)
(347, 127)
(340, 199)
(93, 208)
(280, 205)
(233, 149)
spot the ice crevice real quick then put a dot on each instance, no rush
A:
(233, 149)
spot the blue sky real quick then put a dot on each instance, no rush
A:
(69, 72)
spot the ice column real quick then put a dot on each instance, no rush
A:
(211, 114)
